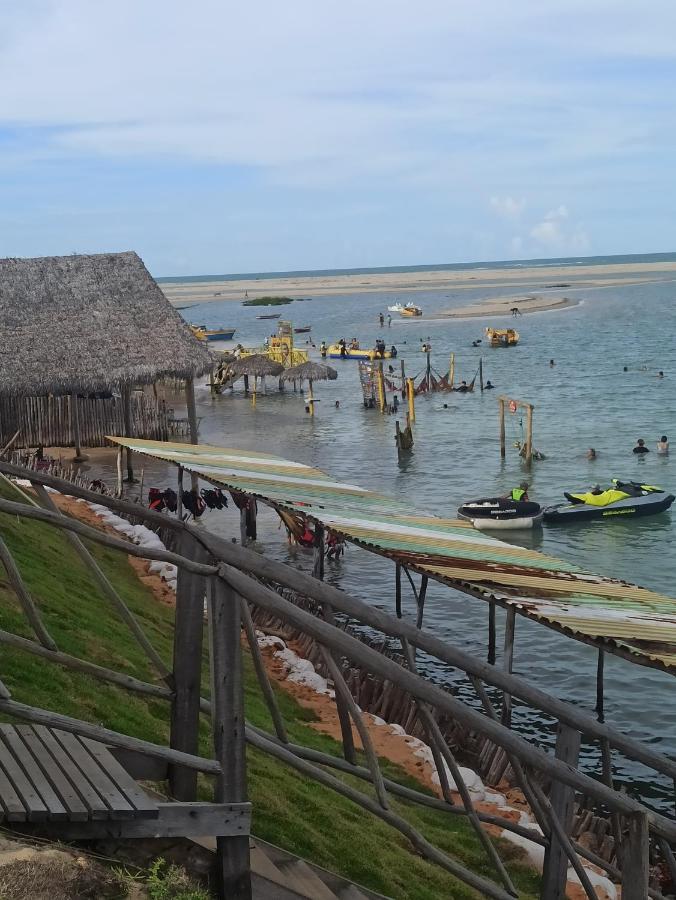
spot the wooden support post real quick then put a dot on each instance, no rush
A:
(403, 380)
(192, 421)
(397, 589)
(562, 800)
(318, 561)
(246, 384)
(421, 601)
(481, 375)
(510, 625)
(75, 426)
(119, 472)
(410, 396)
(212, 383)
(451, 370)
(227, 715)
(185, 705)
(599, 686)
(491, 632)
(428, 369)
(310, 400)
(242, 527)
(251, 512)
(128, 429)
(529, 434)
(179, 492)
(501, 412)
(635, 862)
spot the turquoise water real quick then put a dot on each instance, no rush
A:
(585, 400)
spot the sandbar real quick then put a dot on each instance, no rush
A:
(502, 306)
(528, 278)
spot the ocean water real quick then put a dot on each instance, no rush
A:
(584, 400)
(435, 267)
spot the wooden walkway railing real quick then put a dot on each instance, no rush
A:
(234, 581)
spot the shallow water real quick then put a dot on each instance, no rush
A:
(584, 400)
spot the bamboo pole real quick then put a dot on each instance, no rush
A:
(193, 427)
(529, 434)
(310, 398)
(119, 471)
(451, 370)
(481, 375)
(380, 382)
(75, 425)
(501, 412)
(410, 396)
(510, 626)
(128, 429)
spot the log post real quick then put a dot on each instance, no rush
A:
(227, 714)
(242, 527)
(380, 381)
(451, 370)
(318, 560)
(562, 799)
(179, 492)
(128, 429)
(421, 600)
(501, 412)
(491, 632)
(193, 428)
(599, 686)
(635, 862)
(510, 627)
(185, 706)
(397, 589)
(481, 375)
(75, 425)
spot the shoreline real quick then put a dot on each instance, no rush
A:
(536, 279)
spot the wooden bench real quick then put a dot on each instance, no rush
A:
(75, 788)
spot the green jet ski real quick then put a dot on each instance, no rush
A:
(624, 498)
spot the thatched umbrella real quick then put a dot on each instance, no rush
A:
(258, 365)
(310, 371)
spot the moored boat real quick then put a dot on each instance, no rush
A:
(502, 337)
(303, 329)
(270, 316)
(624, 498)
(410, 311)
(202, 333)
(501, 513)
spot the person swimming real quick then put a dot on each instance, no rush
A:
(488, 386)
(640, 447)
(591, 453)
(663, 445)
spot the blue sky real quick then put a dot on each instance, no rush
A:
(215, 137)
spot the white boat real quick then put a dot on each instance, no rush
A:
(498, 513)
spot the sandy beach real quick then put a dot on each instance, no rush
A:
(534, 278)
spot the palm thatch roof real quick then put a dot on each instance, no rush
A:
(310, 371)
(257, 365)
(89, 323)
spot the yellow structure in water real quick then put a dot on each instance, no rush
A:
(280, 348)
(502, 337)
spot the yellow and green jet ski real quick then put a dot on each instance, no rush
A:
(622, 499)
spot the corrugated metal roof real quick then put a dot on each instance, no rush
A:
(619, 616)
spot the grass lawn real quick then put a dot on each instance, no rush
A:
(288, 809)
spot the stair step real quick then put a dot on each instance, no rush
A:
(301, 878)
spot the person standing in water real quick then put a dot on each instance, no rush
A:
(381, 318)
(640, 447)
(519, 494)
(663, 445)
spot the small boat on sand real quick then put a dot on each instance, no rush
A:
(501, 513)
(202, 333)
(502, 337)
(624, 498)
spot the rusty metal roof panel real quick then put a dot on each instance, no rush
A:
(613, 614)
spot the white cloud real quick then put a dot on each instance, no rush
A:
(507, 207)
(554, 235)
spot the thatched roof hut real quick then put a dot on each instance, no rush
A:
(310, 371)
(256, 366)
(75, 324)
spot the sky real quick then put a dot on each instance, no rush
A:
(215, 137)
